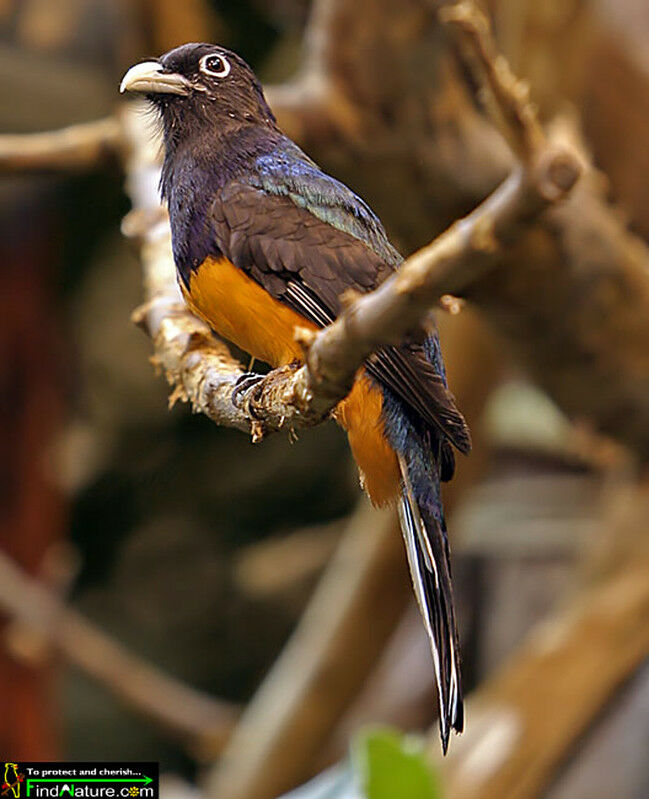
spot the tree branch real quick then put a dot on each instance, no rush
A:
(422, 128)
(200, 721)
(570, 296)
(77, 147)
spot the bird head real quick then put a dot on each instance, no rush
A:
(198, 88)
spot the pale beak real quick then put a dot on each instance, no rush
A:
(150, 78)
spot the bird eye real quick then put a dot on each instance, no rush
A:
(216, 65)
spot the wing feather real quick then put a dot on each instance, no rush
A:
(308, 263)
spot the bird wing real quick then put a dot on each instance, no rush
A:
(307, 239)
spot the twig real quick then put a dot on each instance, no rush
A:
(508, 97)
(77, 147)
(200, 721)
(447, 266)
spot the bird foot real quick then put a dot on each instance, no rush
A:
(245, 382)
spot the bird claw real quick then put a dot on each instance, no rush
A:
(245, 382)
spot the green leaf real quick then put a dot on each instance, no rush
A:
(390, 765)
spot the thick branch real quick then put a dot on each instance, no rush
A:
(203, 723)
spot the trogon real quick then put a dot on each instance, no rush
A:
(264, 241)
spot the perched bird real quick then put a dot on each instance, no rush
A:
(264, 241)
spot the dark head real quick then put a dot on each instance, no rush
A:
(200, 89)
(212, 109)
(215, 122)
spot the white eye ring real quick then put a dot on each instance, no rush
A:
(220, 73)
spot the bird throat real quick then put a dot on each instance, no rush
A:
(193, 173)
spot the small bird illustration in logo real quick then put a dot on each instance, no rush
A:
(12, 780)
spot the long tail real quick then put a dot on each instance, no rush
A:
(424, 532)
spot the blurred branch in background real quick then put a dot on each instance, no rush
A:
(279, 568)
(341, 633)
(534, 709)
(80, 147)
(400, 690)
(42, 624)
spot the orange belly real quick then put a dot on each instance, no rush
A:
(241, 311)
